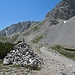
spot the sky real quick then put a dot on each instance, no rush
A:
(14, 11)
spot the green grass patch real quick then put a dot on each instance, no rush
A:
(15, 37)
(37, 39)
(64, 74)
(62, 50)
(27, 33)
(3, 38)
(16, 66)
(1, 61)
(35, 28)
(1, 65)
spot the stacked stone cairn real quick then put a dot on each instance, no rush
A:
(23, 55)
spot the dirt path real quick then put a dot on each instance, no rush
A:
(56, 64)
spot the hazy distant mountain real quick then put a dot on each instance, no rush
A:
(17, 28)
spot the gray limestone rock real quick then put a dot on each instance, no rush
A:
(23, 55)
(64, 11)
(6, 62)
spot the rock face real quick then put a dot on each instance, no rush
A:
(64, 10)
(23, 55)
(15, 28)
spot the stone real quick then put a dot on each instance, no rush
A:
(22, 55)
(6, 62)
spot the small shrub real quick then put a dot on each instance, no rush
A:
(5, 48)
(1, 61)
(34, 68)
(57, 47)
(16, 66)
(19, 42)
(66, 52)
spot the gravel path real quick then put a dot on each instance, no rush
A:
(56, 64)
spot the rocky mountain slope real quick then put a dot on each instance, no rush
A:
(17, 28)
(48, 29)
(64, 10)
(62, 33)
(56, 28)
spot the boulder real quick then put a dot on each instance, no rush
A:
(6, 62)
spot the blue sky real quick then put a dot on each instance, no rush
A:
(14, 11)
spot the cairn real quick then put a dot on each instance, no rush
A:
(23, 55)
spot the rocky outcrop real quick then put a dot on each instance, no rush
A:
(23, 55)
(64, 10)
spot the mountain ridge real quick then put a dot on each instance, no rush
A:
(58, 16)
(17, 28)
(64, 11)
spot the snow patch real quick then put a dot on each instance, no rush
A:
(6, 32)
(70, 65)
(65, 21)
(43, 48)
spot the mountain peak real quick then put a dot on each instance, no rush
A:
(64, 10)
(17, 28)
(70, 2)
